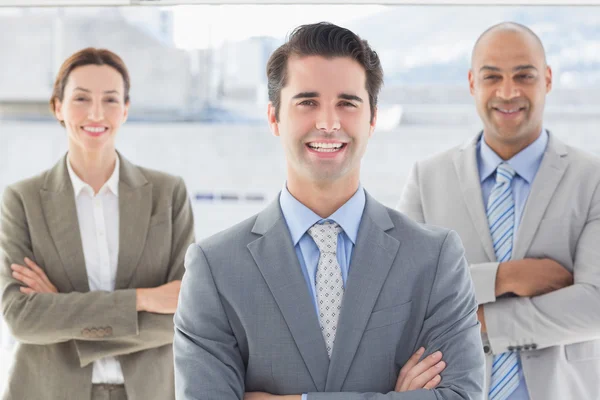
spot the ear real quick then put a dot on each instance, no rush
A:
(126, 112)
(548, 79)
(272, 119)
(471, 78)
(58, 110)
(373, 122)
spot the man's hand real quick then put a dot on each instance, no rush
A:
(531, 277)
(33, 277)
(161, 300)
(424, 374)
(481, 318)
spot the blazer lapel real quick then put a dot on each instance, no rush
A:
(135, 208)
(465, 162)
(372, 259)
(276, 259)
(549, 175)
(60, 211)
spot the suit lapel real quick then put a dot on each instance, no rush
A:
(60, 211)
(372, 259)
(465, 163)
(549, 175)
(135, 208)
(276, 259)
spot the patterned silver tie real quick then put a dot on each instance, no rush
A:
(329, 284)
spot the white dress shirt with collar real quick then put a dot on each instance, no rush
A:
(98, 217)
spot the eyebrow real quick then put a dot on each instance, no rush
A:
(89, 91)
(345, 96)
(515, 69)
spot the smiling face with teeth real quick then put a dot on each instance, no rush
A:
(509, 80)
(92, 108)
(324, 120)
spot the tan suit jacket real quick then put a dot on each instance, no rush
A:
(557, 334)
(60, 335)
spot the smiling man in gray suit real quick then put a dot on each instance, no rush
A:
(327, 294)
(527, 208)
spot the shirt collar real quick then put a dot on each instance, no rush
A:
(300, 218)
(111, 184)
(525, 163)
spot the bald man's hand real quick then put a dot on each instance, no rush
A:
(531, 277)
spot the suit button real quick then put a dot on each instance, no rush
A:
(101, 332)
(518, 348)
(108, 331)
(94, 332)
(526, 347)
(533, 346)
(486, 349)
(85, 332)
(511, 348)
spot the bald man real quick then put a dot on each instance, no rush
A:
(527, 208)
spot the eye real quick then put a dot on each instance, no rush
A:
(347, 104)
(525, 76)
(307, 103)
(491, 77)
(80, 98)
(112, 100)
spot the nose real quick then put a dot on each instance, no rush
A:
(328, 120)
(508, 90)
(96, 112)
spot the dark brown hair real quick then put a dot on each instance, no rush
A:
(326, 40)
(88, 56)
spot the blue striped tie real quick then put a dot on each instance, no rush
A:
(501, 217)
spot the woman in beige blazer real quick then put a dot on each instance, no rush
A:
(92, 254)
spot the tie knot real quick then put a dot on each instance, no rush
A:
(325, 236)
(504, 173)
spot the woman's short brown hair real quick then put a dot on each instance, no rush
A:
(88, 56)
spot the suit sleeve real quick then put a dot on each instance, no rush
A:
(154, 330)
(565, 316)
(45, 318)
(412, 204)
(450, 326)
(208, 363)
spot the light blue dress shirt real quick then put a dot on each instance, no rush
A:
(526, 164)
(300, 218)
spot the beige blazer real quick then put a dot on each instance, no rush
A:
(60, 335)
(558, 333)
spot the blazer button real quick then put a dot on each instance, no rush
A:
(519, 348)
(486, 349)
(101, 332)
(526, 347)
(108, 331)
(533, 346)
(94, 332)
(85, 332)
(511, 348)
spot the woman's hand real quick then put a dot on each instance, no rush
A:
(161, 300)
(33, 277)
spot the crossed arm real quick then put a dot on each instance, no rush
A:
(551, 303)
(209, 365)
(36, 313)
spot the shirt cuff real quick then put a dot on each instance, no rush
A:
(305, 396)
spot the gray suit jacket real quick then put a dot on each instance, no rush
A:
(561, 221)
(246, 321)
(60, 335)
